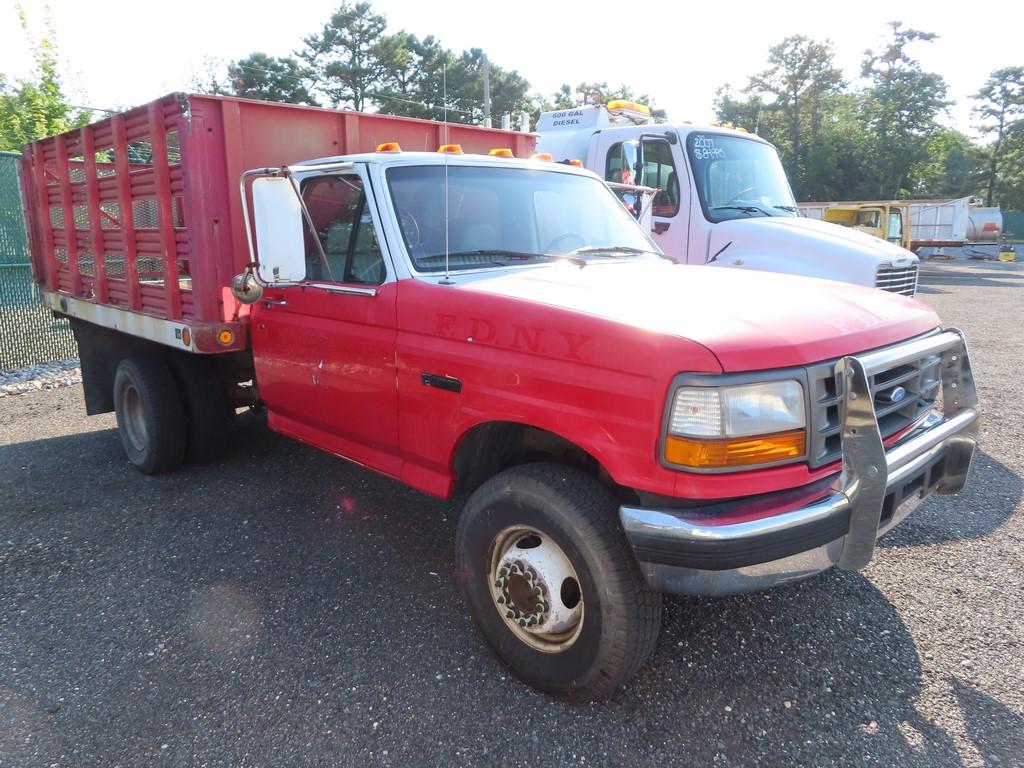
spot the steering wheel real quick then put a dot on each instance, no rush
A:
(410, 228)
(564, 236)
(735, 198)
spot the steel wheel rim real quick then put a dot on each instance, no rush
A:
(134, 417)
(558, 611)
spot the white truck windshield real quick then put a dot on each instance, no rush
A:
(738, 177)
(503, 216)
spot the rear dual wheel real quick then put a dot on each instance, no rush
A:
(551, 581)
(150, 414)
(169, 411)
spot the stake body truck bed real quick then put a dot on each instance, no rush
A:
(136, 222)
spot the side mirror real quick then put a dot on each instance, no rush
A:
(280, 244)
(632, 157)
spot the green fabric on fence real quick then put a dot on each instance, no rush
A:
(28, 333)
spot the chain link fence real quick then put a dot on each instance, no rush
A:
(29, 334)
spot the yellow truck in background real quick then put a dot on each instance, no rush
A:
(888, 221)
(926, 227)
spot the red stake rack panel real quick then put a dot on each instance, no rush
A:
(140, 212)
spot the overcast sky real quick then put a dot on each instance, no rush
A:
(120, 54)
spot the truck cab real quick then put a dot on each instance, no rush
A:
(886, 221)
(724, 198)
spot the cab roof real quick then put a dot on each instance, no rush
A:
(441, 158)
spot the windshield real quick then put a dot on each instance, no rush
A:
(738, 178)
(500, 216)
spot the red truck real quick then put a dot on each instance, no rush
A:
(495, 326)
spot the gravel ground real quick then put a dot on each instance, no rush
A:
(32, 378)
(287, 608)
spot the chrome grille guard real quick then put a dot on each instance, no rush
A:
(868, 470)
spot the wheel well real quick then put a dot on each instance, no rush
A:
(490, 448)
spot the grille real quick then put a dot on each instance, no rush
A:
(920, 381)
(897, 279)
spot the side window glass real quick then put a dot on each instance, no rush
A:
(613, 165)
(895, 228)
(337, 206)
(660, 172)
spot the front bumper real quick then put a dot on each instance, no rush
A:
(705, 552)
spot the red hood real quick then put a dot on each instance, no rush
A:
(749, 320)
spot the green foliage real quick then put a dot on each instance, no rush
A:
(1000, 105)
(800, 79)
(797, 103)
(899, 108)
(1009, 187)
(345, 58)
(36, 107)
(879, 141)
(270, 78)
(955, 165)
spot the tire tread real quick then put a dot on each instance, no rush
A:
(634, 637)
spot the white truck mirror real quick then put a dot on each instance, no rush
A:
(632, 162)
(280, 244)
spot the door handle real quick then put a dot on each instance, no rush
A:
(275, 302)
(661, 226)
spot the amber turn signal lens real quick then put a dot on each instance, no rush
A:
(226, 337)
(734, 451)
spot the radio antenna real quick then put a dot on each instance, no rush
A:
(444, 121)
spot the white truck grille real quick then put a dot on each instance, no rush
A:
(897, 279)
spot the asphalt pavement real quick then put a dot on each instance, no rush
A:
(283, 607)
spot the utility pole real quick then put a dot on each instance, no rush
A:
(487, 92)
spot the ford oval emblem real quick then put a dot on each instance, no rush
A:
(897, 394)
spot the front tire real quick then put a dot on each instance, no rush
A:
(551, 581)
(150, 414)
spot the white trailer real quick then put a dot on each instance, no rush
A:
(723, 197)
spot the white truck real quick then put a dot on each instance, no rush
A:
(723, 196)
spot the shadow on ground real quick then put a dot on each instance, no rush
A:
(992, 494)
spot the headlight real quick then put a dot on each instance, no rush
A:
(736, 426)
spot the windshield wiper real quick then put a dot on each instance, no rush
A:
(609, 249)
(518, 255)
(745, 208)
(790, 208)
(626, 249)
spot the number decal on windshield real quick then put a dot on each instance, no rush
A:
(704, 149)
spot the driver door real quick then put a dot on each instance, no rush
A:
(665, 170)
(325, 348)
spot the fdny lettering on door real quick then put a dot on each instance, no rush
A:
(477, 330)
